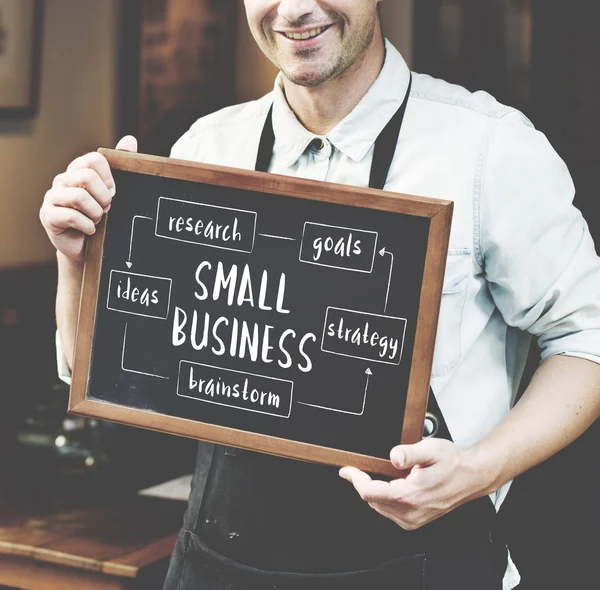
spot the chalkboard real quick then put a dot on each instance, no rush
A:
(286, 316)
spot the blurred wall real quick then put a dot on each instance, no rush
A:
(77, 114)
(255, 73)
(398, 25)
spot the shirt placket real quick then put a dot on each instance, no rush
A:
(314, 162)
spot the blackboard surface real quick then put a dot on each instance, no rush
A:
(260, 312)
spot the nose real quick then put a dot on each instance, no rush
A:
(293, 10)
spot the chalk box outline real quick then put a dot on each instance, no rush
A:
(378, 315)
(365, 231)
(201, 243)
(137, 274)
(241, 373)
(133, 370)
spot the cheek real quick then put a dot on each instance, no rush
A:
(259, 13)
(356, 7)
(258, 10)
(356, 11)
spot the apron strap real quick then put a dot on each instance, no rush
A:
(385, 145)
(266, 145)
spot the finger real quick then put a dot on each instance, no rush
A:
(64, 218)
(369, 490)
(75, 198)
(354, 476)
(128, 144)
(88, 179)
(422, 453)
(97, 162)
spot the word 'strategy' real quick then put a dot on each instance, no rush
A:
(363, 335)
(351, 333)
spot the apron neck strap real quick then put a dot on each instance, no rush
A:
(385, 145)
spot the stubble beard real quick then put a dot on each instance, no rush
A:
(350, 57)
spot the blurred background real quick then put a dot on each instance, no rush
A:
(78, 74)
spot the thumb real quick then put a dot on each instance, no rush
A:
(408, 456)
(128, 144)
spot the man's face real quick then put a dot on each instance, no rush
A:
(313, 41)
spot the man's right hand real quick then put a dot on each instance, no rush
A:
(78, 199)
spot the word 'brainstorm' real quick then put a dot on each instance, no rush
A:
(358, 334)
(245, 391)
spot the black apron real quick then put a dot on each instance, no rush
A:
(258, 522)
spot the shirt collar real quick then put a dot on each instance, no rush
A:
(356, 133)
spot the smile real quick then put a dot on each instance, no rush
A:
(306, 34)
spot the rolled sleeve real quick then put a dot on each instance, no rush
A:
(538, 254)
(64, 373)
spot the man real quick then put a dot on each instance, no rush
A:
(521, 263)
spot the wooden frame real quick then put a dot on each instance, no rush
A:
(439, 213)
(20, 57)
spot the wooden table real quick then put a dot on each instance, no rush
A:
(121, 546)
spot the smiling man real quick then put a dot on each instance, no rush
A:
(346, 109)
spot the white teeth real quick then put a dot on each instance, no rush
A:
(306, 35)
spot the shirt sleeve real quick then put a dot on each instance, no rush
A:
(534, 245)
(180, 149)
(64, 373)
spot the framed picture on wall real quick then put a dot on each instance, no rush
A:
(20, 55)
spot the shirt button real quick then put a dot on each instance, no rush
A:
(318, 143)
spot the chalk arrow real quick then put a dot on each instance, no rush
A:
(368, 373)
(383, 252)
(129, 263)
(131, 370)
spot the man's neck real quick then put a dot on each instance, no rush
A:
(321, 108)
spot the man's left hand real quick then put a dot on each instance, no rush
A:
(439, 478)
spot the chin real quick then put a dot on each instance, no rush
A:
(308, 80)
(307, 76)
